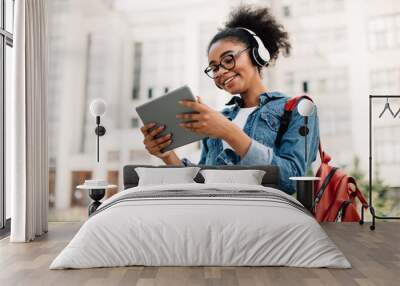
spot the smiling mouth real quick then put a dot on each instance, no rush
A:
(228, 80)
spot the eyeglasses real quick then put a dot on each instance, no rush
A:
(227, 62)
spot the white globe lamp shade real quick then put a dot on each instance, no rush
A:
(305, 107)
(98, 107)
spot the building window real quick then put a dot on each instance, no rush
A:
(286, 11)
(134, 122)
(112, 178)
(322, 86)
(79, 197)
(315, 7)
(386, 145)
(113, 156)
(330, 40)
(141, 156)
(334, 122)
(305, 86)
(385, 80)
(287, 51)
(6, 44)
(135, 93)
(383, 32)
(319, 82)
(52, 186)
(289, 82)
(137, 68)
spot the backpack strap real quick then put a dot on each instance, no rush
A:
(357, 193)
(287, 116)
(284, 125)
(325, 158)
(325, 183)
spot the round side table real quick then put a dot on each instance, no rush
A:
(305, 190)
(96, 193)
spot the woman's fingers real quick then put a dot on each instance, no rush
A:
(158, 141)
(153, 145)
(193, 125)
(150, 136)
(156, 148)
(150, 141)
(192, 116)
(196, 106)
(146, 127)
(156, 131)
(165, 144)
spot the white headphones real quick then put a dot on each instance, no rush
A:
(259, 53)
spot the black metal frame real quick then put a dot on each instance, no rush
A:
(371, 207)
(6, 39)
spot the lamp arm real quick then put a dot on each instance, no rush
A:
(98, 136)
(305, 138)
(99, 131)
(304, 132)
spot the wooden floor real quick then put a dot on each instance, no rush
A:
(375, 256)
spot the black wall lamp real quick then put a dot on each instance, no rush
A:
(305, 108)
(97, 109)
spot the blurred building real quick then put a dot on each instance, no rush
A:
(90, 57)
(345, 51)
(128, 52)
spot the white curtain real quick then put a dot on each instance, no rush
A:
(28, 122)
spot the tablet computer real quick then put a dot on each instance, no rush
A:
(163, 110)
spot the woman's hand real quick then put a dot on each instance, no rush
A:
(153, 145)
(206, 120)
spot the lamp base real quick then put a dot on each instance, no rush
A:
(100, 130)
(96, 195)
(305, 191)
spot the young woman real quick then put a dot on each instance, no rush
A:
(244, 134)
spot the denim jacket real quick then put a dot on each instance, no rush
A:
(262, 127)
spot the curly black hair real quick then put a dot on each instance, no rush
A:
(261, 22)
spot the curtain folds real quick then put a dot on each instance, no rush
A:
(28, 122)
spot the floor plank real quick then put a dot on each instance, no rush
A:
(374, 255)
